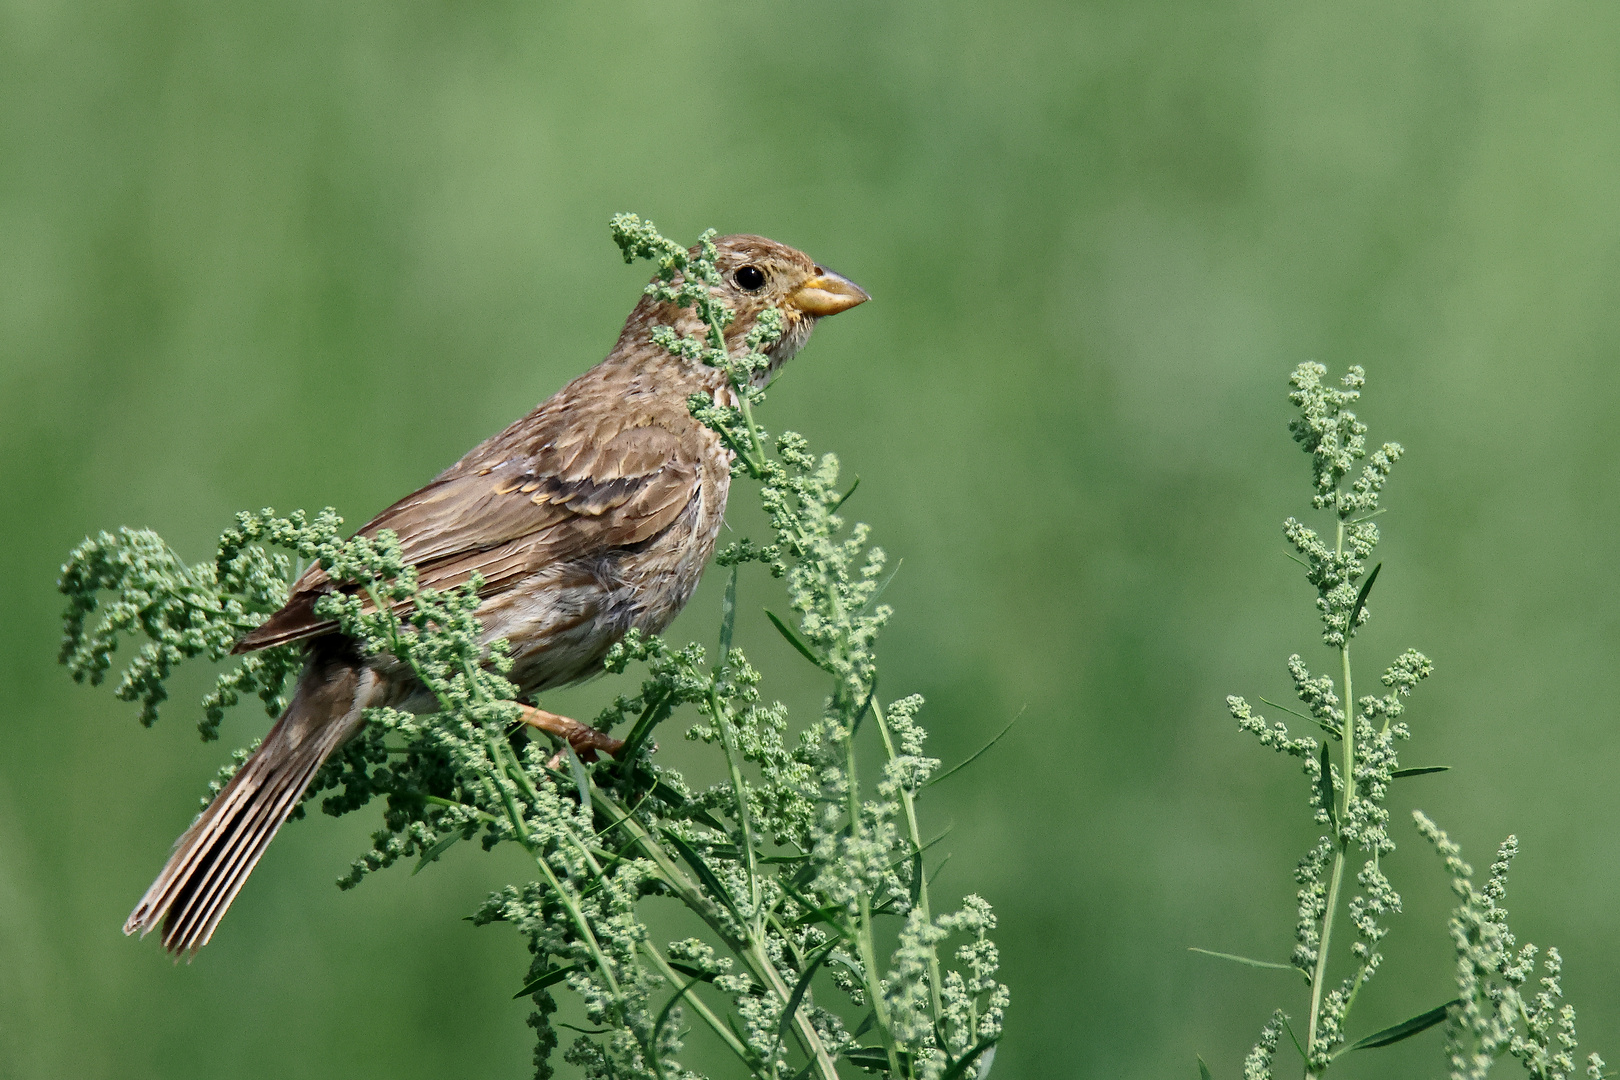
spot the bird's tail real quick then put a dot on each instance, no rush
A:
(214, 857)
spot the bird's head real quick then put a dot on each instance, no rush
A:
(757, 274)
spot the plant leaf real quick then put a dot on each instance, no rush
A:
(845, 499)
(549, 978)
(581, 780)
(794, 640)
(1249, 961)
(971, 758)
(1203, 1070)
(701, 868)
(816, 959)
(1324, 787)
(1404, 1030)
(439, 848)
(654, 714)
(959, 1068)
(1424, 771)
(871, 1058)
(687, 969)
(1331, 729)
(1361, 599)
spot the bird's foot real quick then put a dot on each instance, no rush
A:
(585, 740)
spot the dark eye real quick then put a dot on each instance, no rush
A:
(750, 278)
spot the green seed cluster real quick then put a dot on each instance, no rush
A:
(789, 864)
(1349, 774)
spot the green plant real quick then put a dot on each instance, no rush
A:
(789, 864)
(1349, 773)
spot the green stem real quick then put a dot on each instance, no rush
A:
(1341, 855)
(745, 821)
(720, 1029)
(750, 950)
(863, 936)
(907, 800)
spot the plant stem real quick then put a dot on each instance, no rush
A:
(745, 824)
(725, 1033)
(922, 884)
(1341, 855)
(864, 942)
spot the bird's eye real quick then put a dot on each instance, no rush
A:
(750, 278)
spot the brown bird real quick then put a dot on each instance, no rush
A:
(592, 515)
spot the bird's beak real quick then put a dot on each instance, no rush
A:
(827, 293)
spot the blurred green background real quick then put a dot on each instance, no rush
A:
(296, 254)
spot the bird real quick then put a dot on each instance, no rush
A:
(590, 516)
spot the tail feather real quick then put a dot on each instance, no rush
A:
(209, 892)
(213, 858)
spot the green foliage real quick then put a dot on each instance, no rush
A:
(1489, 1016)
(789, 863)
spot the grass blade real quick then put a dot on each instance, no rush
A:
(687, 969)
(663, 1018)
(1404, 1030)
(1203, 1070)
(1424, 771)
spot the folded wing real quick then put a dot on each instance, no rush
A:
(506, 511)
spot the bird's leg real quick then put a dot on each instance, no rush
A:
(585, 739)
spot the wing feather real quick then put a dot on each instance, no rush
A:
(587, 488)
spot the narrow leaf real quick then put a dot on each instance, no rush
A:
(871, 1058)
(432, 853)
(550, 978)
(1424, 771)
(877, 594)
(701, 868)
(1405, 1029)
(1244, 959)
(1361, 598)
(866, 707)
(816, 959)
(847, 494)
(1324, 786)
(1330, 728)
(656, 711)
(960, 1067)
(954, 769)
(1203, 1070)
(687, 969)
(663, 1018)
(794, 640)
(581, 780)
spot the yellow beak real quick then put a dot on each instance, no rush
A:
(827, 294)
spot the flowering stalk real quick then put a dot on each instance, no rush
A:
(1348, 797)
(789, 864)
